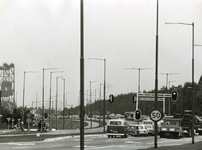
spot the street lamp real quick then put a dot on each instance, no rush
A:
(91, 103)
(56, 103)
(43, 94)
(167, 78)
(50, 92)
(138, 82)
(63, 102)
(104, 89)
(24, 92)
(192, 24)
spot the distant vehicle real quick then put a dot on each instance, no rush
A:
(150, 122)
(133, 130)
(117, 127)
(142, 130)
(171, 127)
(130, 115)
(118, 116)
(150, 129)
(187, 122)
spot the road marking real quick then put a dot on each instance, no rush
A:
(21, 144)
(58, 145)
(19, 147)
(104, 147)
(132, 142)
(108, 140)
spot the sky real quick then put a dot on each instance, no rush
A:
(42, 34)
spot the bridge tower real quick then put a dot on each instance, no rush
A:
(7, 82)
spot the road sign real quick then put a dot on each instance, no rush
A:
(28, 120)
(153, 95)
(28, 115)
(156, 115)
(8, 119)
(148, 99)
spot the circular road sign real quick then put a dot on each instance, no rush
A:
(156, 115)
(28, 120)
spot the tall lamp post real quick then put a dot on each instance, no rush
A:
(81, 76)
(50, 92)
(43, 94)
(138, 82)
(56, 103)
(104, 109)
(24, 92)
(91, 104)
(63, 103)
(192, 24)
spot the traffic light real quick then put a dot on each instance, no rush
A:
(111, 98)
(138, 114)
(174, 95)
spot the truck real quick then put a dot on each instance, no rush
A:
(171, 127)
(186, 123)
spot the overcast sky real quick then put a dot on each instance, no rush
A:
(37, 34)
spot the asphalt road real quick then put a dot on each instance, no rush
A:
(96, 142)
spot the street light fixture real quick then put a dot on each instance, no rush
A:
(56, 103)
(192, 24)
(43, 95)
(138, 82)
(104, 109)
(24, 92)
(50, 92)
(167, 77)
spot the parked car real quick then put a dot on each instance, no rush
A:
(117, 127)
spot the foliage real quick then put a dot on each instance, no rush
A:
(124, 102)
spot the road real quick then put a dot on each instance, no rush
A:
(96, 142)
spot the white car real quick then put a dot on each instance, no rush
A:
(143, 130)
(150, 129)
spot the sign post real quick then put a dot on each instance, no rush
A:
(12, 122)
(8, 121)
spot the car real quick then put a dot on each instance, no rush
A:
(133, 130)
(171, 127)
(142, 130)
(117, 127)
(150, 129)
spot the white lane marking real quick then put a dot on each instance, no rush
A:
(86, 140)
(132, 142)
(108, 140)
(58, 145)
(19, 147)
(104, 147)
(21, 144)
